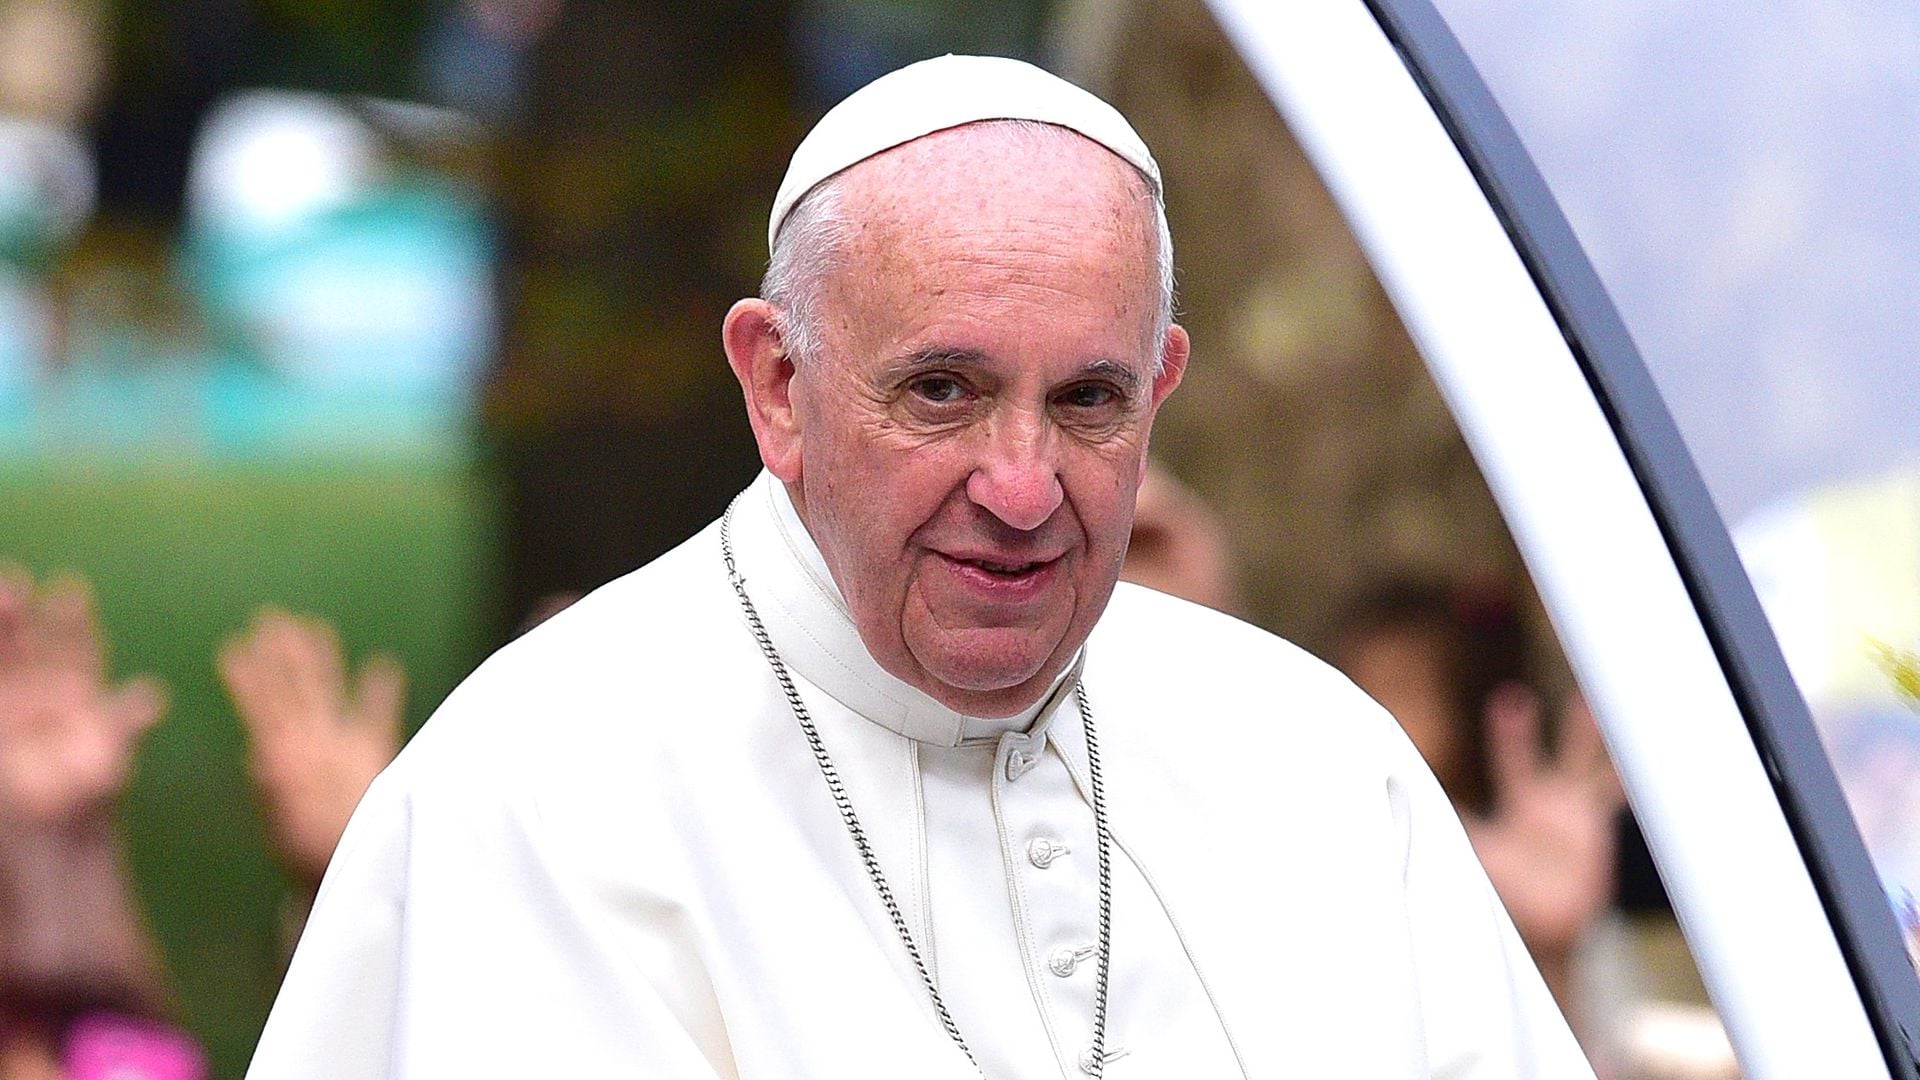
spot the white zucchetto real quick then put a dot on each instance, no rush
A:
(941, 93)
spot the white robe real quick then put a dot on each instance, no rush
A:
(611, 853)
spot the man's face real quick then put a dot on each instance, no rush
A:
(973, 436)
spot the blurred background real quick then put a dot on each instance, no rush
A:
(404, 314)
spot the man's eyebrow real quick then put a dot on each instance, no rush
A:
(1112, 369)
(938, 357)
(932, 359)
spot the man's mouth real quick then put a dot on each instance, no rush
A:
(1002, 569)
(998, 574)
(998, 579)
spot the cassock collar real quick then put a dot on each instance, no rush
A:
(815, 635)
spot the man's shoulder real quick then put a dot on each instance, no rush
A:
(644, 618)
(1166, 638)
(1200, 710)
(627, 665)
(642, 626)
(1170, 656)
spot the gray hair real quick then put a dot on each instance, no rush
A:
(812, 244)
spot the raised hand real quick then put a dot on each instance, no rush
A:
(66, 736)
(70, 930)
(1548, 843)
(316, 743)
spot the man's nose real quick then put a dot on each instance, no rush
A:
(1017, 480)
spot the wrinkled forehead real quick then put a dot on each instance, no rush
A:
(985, 224)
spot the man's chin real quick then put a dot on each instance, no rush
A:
(983, 673)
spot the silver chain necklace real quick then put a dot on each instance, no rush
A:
(1093, 1062)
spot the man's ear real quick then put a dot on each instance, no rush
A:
(1173, 367)
(759, 360)
(1173, 363)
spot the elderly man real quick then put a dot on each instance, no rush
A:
(880, 775)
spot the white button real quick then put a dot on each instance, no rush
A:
(1090, 1062)
(1019, 762)
(1041, 851)
(1063, 960)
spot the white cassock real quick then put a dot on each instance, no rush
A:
(611, 854)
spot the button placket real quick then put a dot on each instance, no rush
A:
(1043, 817)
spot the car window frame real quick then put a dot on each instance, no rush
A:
(1777, 713)
(1718, 594)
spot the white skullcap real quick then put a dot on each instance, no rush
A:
(941, 93)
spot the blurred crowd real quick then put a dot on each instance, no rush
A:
(82, 993)
(1454, 662)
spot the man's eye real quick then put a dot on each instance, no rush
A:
(938, 389)
(1091, 396)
